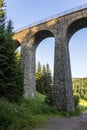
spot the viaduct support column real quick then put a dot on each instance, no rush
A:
(62, 91)
(28, 66)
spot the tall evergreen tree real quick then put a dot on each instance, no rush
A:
(39, 78)
(48, 80)
(2, 18)
(11, 78)
(44, 83)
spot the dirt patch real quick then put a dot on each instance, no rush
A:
(66, 123)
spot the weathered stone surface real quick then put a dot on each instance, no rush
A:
(62, 29)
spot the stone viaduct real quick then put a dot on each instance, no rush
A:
(61, 26)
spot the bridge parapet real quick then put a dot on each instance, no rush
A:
(53, 17)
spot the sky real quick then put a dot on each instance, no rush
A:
(25, 12)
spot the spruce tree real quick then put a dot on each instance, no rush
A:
(44, 80)
(48, 85)
(48, 80)
(39, 78)
(11, 77)
(2, 19)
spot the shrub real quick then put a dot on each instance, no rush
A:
(14, 117)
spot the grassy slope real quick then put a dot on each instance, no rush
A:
(25, 116)
(83, 102)
(83, 105)
(28, 114)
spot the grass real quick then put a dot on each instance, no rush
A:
(30, 113)
(82, 105)
(27, 115)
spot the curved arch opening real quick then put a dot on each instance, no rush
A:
(76, 26)
(44, 56)
(39, 36)
(78, 52)
(45, 52)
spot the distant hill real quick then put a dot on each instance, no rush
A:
(80, 87)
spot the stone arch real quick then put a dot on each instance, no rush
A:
(62, 77)
(72, 28)
(76, 25)
(30, 63)
(39, 36)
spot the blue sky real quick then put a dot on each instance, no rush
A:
(25, 12)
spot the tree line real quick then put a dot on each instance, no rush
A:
(44, 82)
(80, 87)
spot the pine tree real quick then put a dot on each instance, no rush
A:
(49, 79)
(11, 77)
(49, 84)
(2, 19)
(44, 83)
(39, 78)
